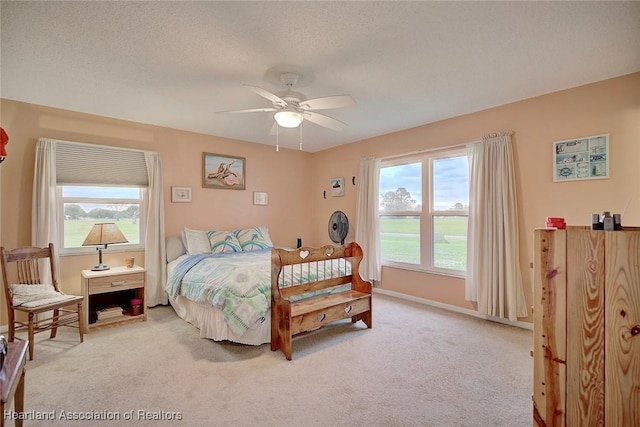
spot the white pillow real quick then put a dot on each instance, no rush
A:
(196, 241)
(175, 248)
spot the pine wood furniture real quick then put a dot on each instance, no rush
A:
(12, 381)
(25, 263)
(290, 316)
(116, 286)
(586, 327)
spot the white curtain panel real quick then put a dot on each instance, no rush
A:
(494, 278)
(44, 220)
(155, 248)
(367, 221)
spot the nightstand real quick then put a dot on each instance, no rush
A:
(105, 291)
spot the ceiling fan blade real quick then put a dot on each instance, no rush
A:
(270, 96)
(327, 102)
(252, 110)
(326, 121)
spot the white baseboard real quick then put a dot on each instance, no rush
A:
(524, 325)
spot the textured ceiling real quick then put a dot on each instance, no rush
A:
(175, 64)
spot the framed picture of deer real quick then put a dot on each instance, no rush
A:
(222, 171)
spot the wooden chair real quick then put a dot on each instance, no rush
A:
(34, 297)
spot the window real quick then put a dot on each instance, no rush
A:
(97, 183)
(424, 205)
(82, 206)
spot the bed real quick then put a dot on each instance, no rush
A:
(221, 282)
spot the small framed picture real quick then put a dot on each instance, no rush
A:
(260, 198)
(582, 158)
(337, 187)
(181, 194)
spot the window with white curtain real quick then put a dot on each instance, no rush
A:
(99, 184)
(424, 207)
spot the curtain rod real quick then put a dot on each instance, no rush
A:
(98, 146)
(427, 150)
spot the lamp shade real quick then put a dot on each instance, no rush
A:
(288, 118)
(105, 233)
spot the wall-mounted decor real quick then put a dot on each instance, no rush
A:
(181, 194)
(260, 198)
(337, 187)
(4, 140)
(222, 171)
(582, 158)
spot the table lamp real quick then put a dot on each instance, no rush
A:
(106, 233)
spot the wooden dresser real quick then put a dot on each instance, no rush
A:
(586, 345)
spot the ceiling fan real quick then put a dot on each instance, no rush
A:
(292, 107)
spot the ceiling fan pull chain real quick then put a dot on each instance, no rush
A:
(277, 138)
(300, 136)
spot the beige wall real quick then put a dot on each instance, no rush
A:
(295, 180)
(278, 173)
(611, 106)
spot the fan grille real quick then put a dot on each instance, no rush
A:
(338, 227)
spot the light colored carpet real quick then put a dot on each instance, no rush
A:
(418, 366)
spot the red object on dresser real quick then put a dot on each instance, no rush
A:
(4, 140)
(556, 222)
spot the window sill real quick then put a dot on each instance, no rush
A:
(425, 270)
(93, 251)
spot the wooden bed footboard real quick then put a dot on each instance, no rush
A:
(295, 273)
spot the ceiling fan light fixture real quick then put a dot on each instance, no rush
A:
(288, 118)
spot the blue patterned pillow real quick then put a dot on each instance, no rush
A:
(254, 239)
(223, 241)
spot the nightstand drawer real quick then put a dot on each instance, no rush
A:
(118, 282)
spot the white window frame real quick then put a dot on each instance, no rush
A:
(122, 247)
(427, 212)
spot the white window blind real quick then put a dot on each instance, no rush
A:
(79, 163)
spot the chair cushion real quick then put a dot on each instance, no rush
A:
(30, 296)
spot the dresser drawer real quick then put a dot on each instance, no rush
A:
(315, 319)
(118, 282)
